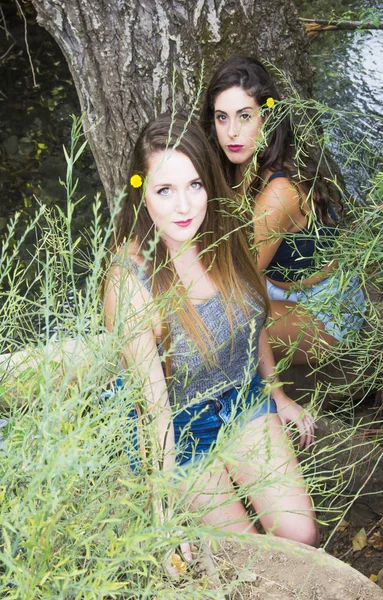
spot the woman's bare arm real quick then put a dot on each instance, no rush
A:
(129, 309)
(277, 210)
(288, 410)
(129, 306)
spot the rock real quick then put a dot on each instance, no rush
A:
(3, 424)
(348, 460)
(380, 579)
(11, 145)
(361, 513)
(303, 380)
(26, 146)
(53, 167)
(268, 568)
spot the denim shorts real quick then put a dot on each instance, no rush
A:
(196, 427)
(338, 305)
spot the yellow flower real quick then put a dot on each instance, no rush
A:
(270, 102)
(136, 180)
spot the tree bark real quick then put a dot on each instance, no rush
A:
(122, 54)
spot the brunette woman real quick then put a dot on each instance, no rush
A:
(294, 219)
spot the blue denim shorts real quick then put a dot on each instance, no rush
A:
(339, 306)
(196, 427)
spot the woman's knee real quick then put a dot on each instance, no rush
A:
(309, 534)
(303, 530)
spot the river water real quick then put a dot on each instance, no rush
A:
(349, 78)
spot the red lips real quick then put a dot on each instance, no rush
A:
(183, 223)
(235, 148)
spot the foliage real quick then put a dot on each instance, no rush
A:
(371, 15)
(76, 520)
(358, 249)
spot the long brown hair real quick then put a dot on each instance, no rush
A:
(223, 248)
(279, 152)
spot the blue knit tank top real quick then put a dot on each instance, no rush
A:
(234, 355)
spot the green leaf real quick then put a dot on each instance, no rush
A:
(68, 160)
(80, 151)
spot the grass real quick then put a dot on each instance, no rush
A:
(75, 521)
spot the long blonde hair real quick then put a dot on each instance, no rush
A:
(223, 246)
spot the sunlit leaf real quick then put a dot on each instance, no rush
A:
(376, 541)
(343, 525)
(360, 540)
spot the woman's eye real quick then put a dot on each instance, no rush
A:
(164, 191)
(245, 116)
(221, 118)
(196, 185)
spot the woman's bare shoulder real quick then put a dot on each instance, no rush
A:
(283, 196)
(129, 253)
(125, 264)
(126, 276)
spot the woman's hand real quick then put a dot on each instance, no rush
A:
(290, 412)
(175, 562)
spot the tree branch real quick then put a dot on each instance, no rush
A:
(314, 26)
(26, 42)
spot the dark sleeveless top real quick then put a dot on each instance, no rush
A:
(235, 350)
(304, 252)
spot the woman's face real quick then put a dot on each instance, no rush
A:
(175, 197)
(238, 123)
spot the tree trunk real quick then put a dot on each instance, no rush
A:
(122, 54)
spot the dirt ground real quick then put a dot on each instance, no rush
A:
(271, 568)
(346, 567)
(365, 517)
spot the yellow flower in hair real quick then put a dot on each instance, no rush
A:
(136, 180)
(270, 102)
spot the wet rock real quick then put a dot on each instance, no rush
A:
(11, 145)
(51, 194)
(349, 458)
(53, 167)
(26, 146)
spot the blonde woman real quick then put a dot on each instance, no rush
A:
(196, 355)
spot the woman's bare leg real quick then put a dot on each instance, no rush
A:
(268, 471)
(292, 326)
(215, 499)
